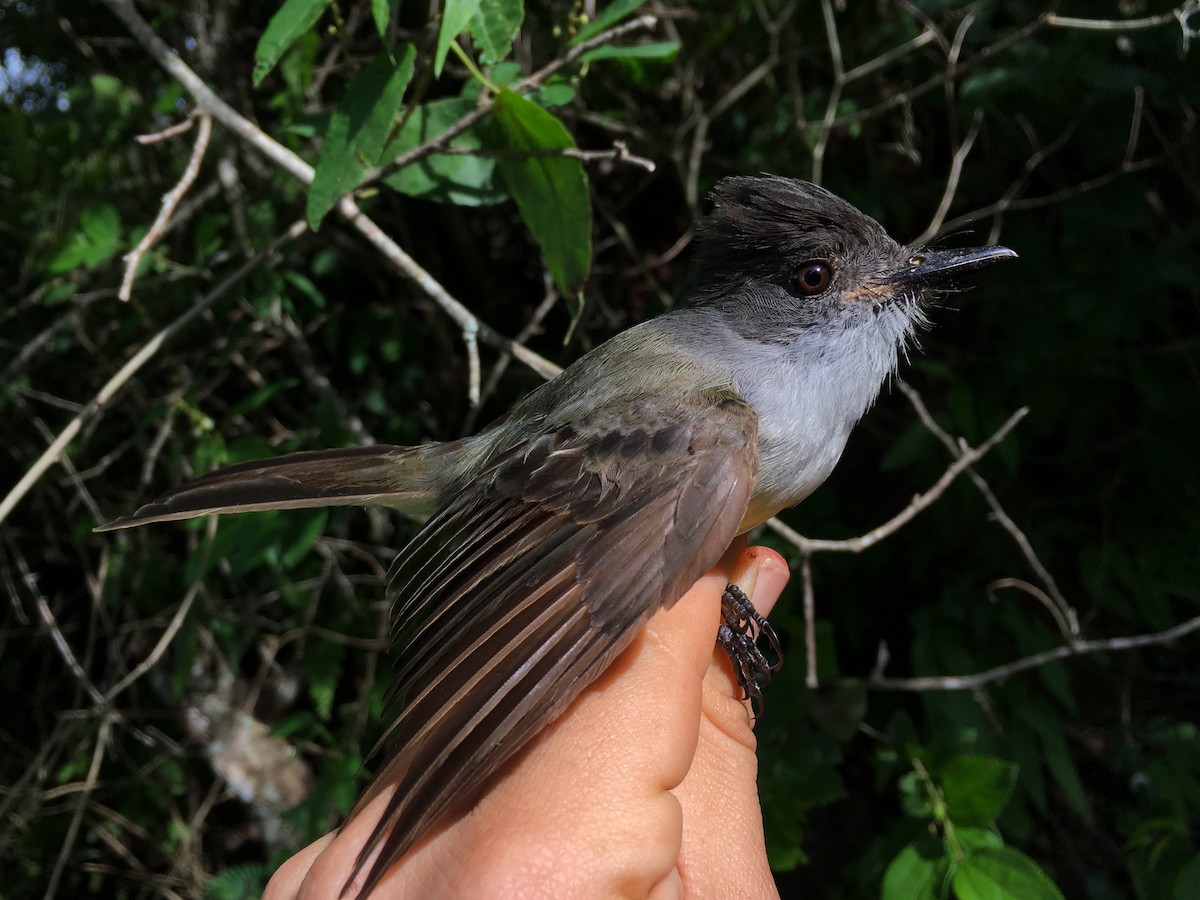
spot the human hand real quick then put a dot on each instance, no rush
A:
(645, 787)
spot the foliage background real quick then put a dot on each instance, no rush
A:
(1085, 158)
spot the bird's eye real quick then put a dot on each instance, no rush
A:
(814, 277)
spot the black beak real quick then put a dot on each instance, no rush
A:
(931, 265)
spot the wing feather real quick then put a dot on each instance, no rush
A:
(404, 477)
(521, 590)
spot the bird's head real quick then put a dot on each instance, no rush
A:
(782, 258)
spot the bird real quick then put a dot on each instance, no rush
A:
(554, 534)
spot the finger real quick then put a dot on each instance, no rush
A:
(724, 850)
(286, 882)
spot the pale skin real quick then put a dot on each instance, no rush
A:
(645, 788)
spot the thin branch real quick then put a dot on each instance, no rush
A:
(956, 166)
(1066, 651)
(139, 359)
(170, 200)
(462, 316)
(167, 133)
(1179, 14)
(919, 503)
(1068, 625)
(835, 91)
(470, 338)
(64, 650)
(810, 623)
(164, 640)
(998, 513)
(93, 776)
(619, 153)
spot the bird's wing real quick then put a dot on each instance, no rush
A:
(354, 476)
(522, 590)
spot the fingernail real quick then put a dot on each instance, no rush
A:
(762, 574)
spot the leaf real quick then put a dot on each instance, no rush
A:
(445, 177)
(610, 15)
(97, 240)
(972, 839)
(1187, 881)
(358, 130)
(551, 191)
(660, 50)
(494, 26)
(914, 876)
(1002, 873)
(976, 788)
(456, 15)
(381, 12)
(294, 19)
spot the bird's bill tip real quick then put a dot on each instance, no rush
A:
(938, 263)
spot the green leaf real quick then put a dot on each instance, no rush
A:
(494, 26)
(972, 839)
(381, 12)
(609, 16)
(551, 191)
(358, 130)
(1187, 882)
(660, 50)
(245, 880)
(299, 547)
(1002, 873)
(456, 15)
(97, 240)
(976, 788)
(294, 19)
(913, 875)
(445, 177)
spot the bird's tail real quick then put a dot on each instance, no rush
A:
(407, 478)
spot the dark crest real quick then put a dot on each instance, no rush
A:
(767, 225)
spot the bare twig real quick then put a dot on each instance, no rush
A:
(470, 338)
(919, 503)
(139, 359)
(167, 133)
(170, 200)
(1066, 651)
(956, 165)
(619, 153)
(810, 623)
(462, 316)
(1068, 625)
(998, 513)
(93, 776)
(164, 639)
(835, 91)
(1180, 14)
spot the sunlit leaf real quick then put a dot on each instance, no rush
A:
(456, 16)
(1002, 873)
(494, 26)
(294, 19)
(457, 178)
(551, 191)
(358, 130)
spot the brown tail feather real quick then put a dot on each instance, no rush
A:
(380, 474)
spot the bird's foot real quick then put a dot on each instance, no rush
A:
(738, 635)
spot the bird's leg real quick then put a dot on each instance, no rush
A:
(741, 627)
